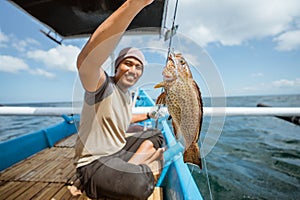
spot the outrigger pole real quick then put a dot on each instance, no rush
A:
(292, 119)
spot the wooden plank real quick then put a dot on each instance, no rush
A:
(38, 173)
(43, 176)
(55, 154)
(53, 172)
(63, 193)
(32, 191)
(7, 189)
(51, 154)
(37, 168)
(17, 171)
(49, 172)
(157, 194)
(68, 142)
(61, 173)
(53, 169)
(66, 153)
(2, 183)
(14, 189)
(49, 191)
(156, 168)
(68, 172)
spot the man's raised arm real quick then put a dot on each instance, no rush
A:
(103, 41)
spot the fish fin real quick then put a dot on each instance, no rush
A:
(159, 85)
(197, 89)
(192, 155)
(161, 99)
(174, 128)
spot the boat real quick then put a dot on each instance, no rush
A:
(38, 165)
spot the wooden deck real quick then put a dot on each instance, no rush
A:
(45, 175)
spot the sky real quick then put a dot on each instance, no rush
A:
(240, 47)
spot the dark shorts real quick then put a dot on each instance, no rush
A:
(113, 177)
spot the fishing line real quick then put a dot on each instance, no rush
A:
(206, 171)
(173, 28)
(172, 33)
(176, 64)
(170, 51)
(165, 17)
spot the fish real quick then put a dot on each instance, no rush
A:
(182, 97)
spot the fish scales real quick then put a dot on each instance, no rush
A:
(183, 99)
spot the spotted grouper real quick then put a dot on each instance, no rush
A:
(182, 97)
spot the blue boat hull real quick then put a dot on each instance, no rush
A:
(17, 149)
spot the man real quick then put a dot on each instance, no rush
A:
(108, 163)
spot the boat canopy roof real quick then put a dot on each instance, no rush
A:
(79, 18)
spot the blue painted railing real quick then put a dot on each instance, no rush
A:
(176, 178)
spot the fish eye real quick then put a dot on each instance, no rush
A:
(182, 62)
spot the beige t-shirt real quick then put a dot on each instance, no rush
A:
(105, 117)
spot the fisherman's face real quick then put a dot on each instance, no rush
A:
(128, 73)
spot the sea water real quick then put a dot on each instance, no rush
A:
(254, 157)
(14, 126)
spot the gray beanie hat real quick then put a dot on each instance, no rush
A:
(130, 52)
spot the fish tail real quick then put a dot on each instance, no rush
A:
(192, 155)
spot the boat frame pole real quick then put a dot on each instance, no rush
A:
(208, 111)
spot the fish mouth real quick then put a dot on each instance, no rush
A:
(168, 78)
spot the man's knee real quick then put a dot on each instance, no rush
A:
(144, 184)
(147, 144)
(157, 139)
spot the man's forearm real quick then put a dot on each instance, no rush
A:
(139, 117)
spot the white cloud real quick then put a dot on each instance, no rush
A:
(282, 86)
(62, 57)
(288, 41)
(41, 72)
(286, 83)
(234, 22)
(24, 45)
(259, 74)
(11, 64)
(3, 39)
(20, 45)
